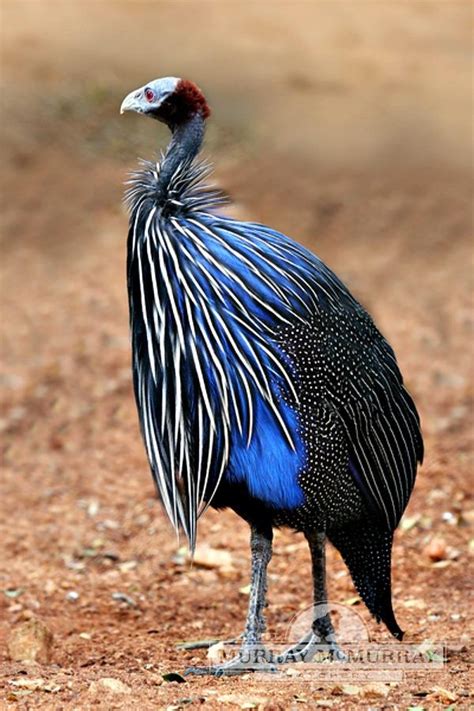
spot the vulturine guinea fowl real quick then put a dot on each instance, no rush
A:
(261, 383)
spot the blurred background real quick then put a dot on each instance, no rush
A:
(345, 124)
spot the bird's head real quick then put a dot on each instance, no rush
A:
(170, 100)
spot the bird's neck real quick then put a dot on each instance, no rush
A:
(185, 144)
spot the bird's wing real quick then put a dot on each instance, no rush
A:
(377, 412)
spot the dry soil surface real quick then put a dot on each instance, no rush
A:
(358, 149)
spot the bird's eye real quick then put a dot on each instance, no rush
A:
(149, 95)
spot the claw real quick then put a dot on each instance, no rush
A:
(199, 671)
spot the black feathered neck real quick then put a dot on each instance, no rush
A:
(184, 146)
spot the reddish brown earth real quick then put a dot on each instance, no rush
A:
(345, 126)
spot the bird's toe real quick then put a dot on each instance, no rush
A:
(309, 648)
(247, 660)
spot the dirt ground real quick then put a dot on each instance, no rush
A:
(346, 125)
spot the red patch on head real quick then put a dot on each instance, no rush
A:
(186, 101)
(190, 95)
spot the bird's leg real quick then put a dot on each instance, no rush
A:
(322, 636)
(252, 654)
(322, 625)
(261, 551)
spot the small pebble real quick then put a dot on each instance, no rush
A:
(436, 549)
(31, 641)
(122, 597)
(115, 686)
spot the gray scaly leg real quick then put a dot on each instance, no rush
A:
(322, 636)
(252, 654)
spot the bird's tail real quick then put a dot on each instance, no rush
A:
(367, 551)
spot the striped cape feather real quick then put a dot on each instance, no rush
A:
(209, 298)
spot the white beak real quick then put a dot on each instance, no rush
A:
(131, 102)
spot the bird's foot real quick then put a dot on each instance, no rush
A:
(308, 648)
(249, 659)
